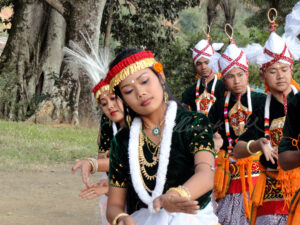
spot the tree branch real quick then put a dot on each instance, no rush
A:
(57, 5)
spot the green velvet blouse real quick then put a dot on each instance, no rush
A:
(106, 134)
(191, 134)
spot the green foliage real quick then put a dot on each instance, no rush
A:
(35, 101)
(55, 77)
(139, 23)
(260, 20)
(6, 3)
(178, 64)
(9, 82)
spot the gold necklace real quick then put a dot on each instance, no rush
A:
(143, 162)
(142, 159)
(155, 146)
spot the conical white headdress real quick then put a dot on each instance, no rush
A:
(204, 49)
(278, 49)
(233, 57)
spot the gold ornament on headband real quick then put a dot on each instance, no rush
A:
(132, 68)
(158, 67)
(101, 91)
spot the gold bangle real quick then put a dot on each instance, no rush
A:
(248, 148)
(118, 217)
(93, 166)
(181, 191)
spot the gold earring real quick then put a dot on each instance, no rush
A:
(166, 97)
(128, 118)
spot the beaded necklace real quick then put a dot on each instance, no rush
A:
(267, 111)
(227, 127)
(212, 93)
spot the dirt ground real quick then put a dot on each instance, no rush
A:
(47, 197)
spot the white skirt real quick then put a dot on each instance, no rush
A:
(204, 216)
(103, 205)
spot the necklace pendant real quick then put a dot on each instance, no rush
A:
(156, 131)
(154, 158)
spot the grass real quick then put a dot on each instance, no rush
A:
(29, 145)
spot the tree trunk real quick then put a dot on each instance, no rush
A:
(32, 68)
(75, 92)
(229, 8)
(20, 64)
(48, 82)
(108, 26)
(211, 11)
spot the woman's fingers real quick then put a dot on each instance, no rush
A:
(173, 203)
(76, 166)
(157, 204)
(191, 204)
(90, 193)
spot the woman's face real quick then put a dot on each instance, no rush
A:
(112, 106)
(142, 91)
(278, 77)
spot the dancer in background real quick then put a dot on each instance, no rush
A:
(96, 67)
(264, 128)
(234, 179)
(202, 95)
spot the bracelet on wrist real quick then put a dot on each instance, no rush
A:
(182, 191)
(115, 221)
(94, 164)
(248, 148)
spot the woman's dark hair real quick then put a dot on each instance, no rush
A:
(123, 55)
(127, 110)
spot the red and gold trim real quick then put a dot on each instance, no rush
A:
(130, 65)
(100, 88)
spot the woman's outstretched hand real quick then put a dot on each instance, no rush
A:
(95, 190)
(86, 169)
(173, 202)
